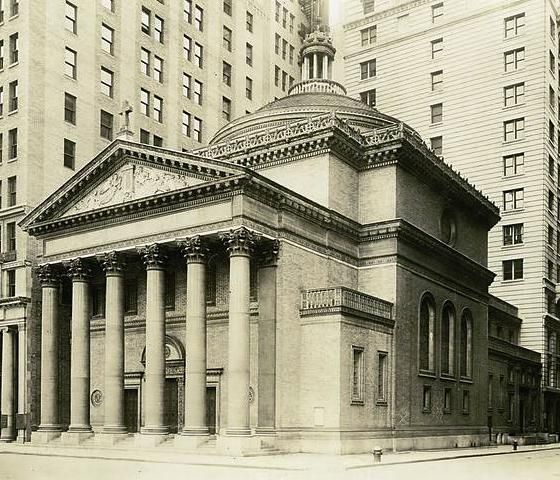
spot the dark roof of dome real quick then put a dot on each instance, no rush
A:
(303, 105)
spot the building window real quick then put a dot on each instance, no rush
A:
(513, 94)
(145, 61)
(437, 48)
(551, 132)
(158, 109)
(107, 36)
(158, 69)
(13, 96)
(197, 129)
(436, 144)
(292, 50)
(227, 38)
(12, 191)
(284, 49)
(466, 401)
(1, 54)
(447, 339)
(249, 54)
(550, 276)
(447, 400)
(514, 129)
(226, 108)
(158, 28)
(249, 22)
(187, 81)
(513, 199)
(284, 81)
(199, 18)
(145, 102)
(284, 18)
(197, 92)
(146, 20)
(14, 48)
(382, 376)
(368, 69)
(437, 11)
(106, 82)
(277, 13)
(186, 124)
(198, 55)
(249, 88)
(552, 28)
(14, 8)
(292, 20)
(436, 113)
(12, 144)
(357, 374)
(513, 59)
(513, 234)
(512, 269)
(513, 164)
(427, 399)
(550, 200)
(11, 282)
(11, 236)
(70, 63)
(465, 355)
(1, 100)
(426, 334)
(170, 290)
(69, 154)
(513, 25)
(369, 97)
(71, 17)
(131, 297)
(158, 141)
(551, 98)
(276, 75)
(106, 125)
(437, 80)
(2, 158)
(228, 7)
(187, 47)
(144, 137)
(369, 36)
(368, 6)
(108, 4)
(226, 73)
(187, 11)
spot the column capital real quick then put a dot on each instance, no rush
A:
(194, 249)
(8, 329)
(153, 256)
(268, 254)
(240, 241)
(49, 275)
(112, 263)
(78, 270)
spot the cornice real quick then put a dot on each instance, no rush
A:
(384, 14)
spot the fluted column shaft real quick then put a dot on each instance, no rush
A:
(114, 344)
(80, 354)
(8, 433)
(154, 259)
(195, 341)
(50, 282)
(240, 244)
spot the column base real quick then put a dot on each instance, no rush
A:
(75, 437)
(192, 431)
(44, 435)
(8, 439)
(115, 429)
(265, 431)
(238, 432)
(159, 430)
(190, 441)
(238, 446)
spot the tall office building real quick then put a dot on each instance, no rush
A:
(479, 80)
(73, 73)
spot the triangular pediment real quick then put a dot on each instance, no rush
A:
(125, 173)
(132, 181)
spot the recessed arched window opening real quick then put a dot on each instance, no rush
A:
(447, 339)
(426, 333)
(466, 344)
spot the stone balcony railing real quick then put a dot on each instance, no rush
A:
(325, 300)
(317, 86)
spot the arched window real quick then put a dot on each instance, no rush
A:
(466, 344)
(447, 339)
(426, 333)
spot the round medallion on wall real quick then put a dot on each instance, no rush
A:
(96, 398)
(251, 395)
(448, 227)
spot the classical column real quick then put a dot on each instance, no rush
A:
(80, 348)
(8, 432)
(50, 282)
(154, 259)
(239, 243)
(195, 340)
(114, 266)
(22, 382)
(325, 73)
(305, 68)
(267, 339)
(315, 66)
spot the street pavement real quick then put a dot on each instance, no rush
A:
(32, 463)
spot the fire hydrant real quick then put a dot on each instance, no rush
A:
(377, 452)
(514, 445)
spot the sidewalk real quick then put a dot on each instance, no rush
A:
(282, 462)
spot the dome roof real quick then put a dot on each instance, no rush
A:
(299, 106)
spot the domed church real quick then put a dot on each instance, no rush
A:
(314, 280)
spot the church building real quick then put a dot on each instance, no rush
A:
(314, 280)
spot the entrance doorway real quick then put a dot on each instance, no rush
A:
(211, 409)
(171, 404)
(131, 409)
